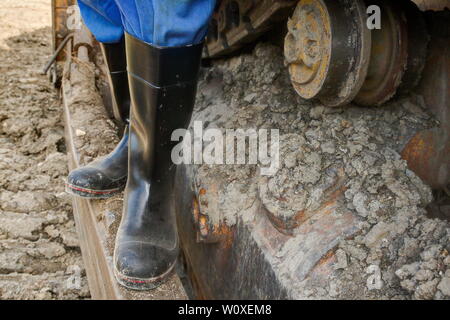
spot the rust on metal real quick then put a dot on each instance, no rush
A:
(257, 245)
(207, 231)
(59, 24)
(195, 209)
(429, 158)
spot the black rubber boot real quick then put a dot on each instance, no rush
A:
(163, 83)
(102, 178)
(106, 177)
(116, 61)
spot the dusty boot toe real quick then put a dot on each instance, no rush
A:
(142, 266)
(104, 177)
(93, 183)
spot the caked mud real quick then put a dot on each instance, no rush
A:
(347, 156)
(40, 256)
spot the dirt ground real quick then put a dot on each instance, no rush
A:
(40, 256)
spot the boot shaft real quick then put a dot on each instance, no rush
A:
(163, 66)
(163, 83)
(115, 56)
(116, 62)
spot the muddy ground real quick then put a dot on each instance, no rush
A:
(40, 256)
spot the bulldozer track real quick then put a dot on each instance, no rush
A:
(236, 23)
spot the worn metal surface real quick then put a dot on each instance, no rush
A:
(388, 58)
(238, 22)
(59, 24)
(252, 255)
(428, 153)
(327, 49)
(208, 264)
(328, 45)
(207, 232)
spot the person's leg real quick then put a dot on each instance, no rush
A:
(116, 62)
(164, 47)
(103, 19)
(106, 177)
(167, 23)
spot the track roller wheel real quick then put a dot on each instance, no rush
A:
(327, 49)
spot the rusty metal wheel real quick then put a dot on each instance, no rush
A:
(388, 58)
(327, 49)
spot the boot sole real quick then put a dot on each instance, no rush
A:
(92, 194)
(139, 284)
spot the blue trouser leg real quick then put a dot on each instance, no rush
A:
(159, 22)
(103, 19)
